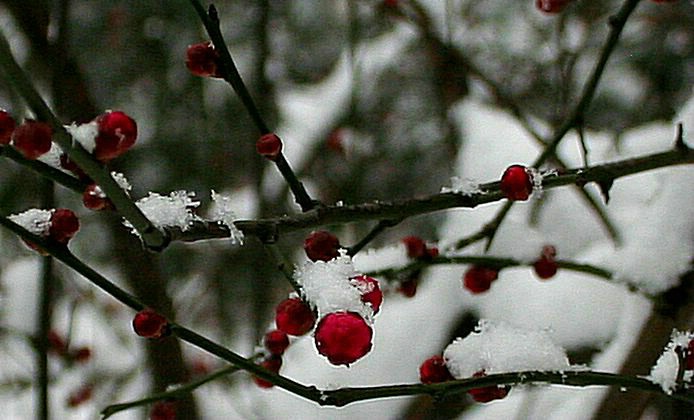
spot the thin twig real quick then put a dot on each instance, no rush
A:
(373, 233)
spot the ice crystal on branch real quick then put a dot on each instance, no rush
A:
(84, 134)
(36, 221)
(667, 367)
(174, 210)
(463, 186)
(328, 288)
(498, 347)
(222, 212)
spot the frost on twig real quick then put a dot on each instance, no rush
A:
(84, 134)
(498, 347)
(667, 368)
(36, 221)
(222, 213)
(174, 210)
(463, 186)
(327, 286)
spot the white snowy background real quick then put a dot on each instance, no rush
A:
(654, 212)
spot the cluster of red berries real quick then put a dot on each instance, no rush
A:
(58, 346)
(417, 249)
(148, 323)
(434, 370)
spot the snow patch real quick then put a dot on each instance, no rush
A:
(174, 210)
(84, 134)
(222, 212)
(36, 221)
(463, 186)
(498, 347)
(666, 368)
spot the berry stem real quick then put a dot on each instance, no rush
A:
(68, 181)
(283, 266)
(153, 238)
(380, 227)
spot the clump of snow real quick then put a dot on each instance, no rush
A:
(84, 134)
(327, 286)
(390, 257)
(464, 186)
(174, 210)
(498, 347)
(52, 157)
(36, 221)
(122, 181)
(222, 212)
(666, 368)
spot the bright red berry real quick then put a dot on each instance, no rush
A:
(434, 370)
(516, 183)
(80, 396)
(117, 133)
(276, 342)
(94, 198)
(488, 393)
(343, 337)
(416, 248)
(64, 225)
(551, 6)
(33, 138)
(273, 364)
(202, 59)
(546, 266)
(321, 245)
(370, 291)
(690, 356)
(479, 279)
(269, 145)
(7, 125)
(294, 317)
(163, 410)
(150, 324)
(409, 287)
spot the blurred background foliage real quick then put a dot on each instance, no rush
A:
(393, 140)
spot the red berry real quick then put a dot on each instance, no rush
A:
(269, 146)
(551, 6)
(276, 342)
(370, 291)
(479, 279)
(150, 324)
(33, 138)
(390, 3)
(335, 140)
(488, 393)
(202, 59)
(321, 245)
(81, 355)
(294, 317)
(432, 252)
(343, 337)
(56, 344)
(516, 183)
(71, 166)
(64, 225)
(434, 370)
(416, 248)
(409, 287)
(546, 267)
(163, 410)
(690, 356)
(7, 126)
(663, 1)
(273, 364)
(117, 133)
(80, 396)
(94, 198)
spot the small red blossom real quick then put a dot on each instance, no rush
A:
(150, 324)
(343, 337)
(321, 245)
(434, 370)
(294, 317)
